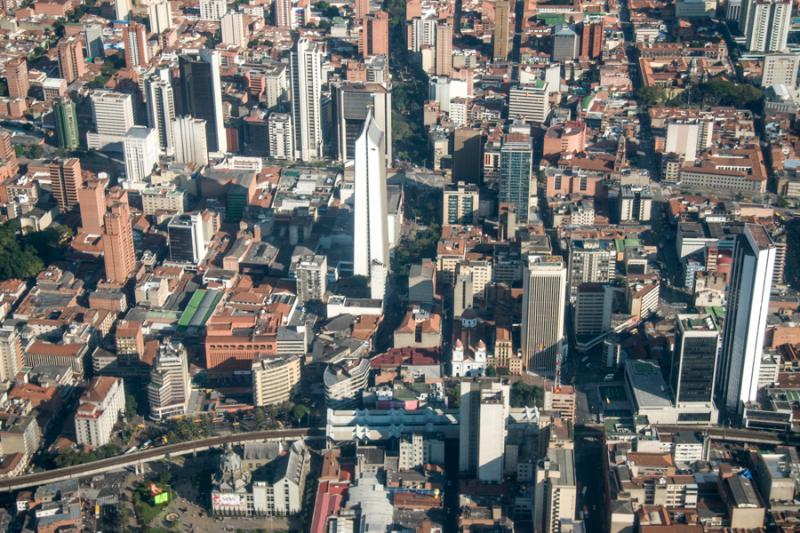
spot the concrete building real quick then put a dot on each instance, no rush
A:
(10, 352)
(443, 62)
(374, 37)
(592, 311)
(65, 181)
(212, 9)
(516, 160)
(159, 13)
(306, 85)
(483, 414)
(275, 379)
(502, 32)
(777, 475)
(766, 24)
(460, 203)
(169, 390)
(780, 69)
(202, 92)
(311, 273)
(281, 136)
(92, 204)
(353, 102)
(233, 29)
(119, 254)
(555, 490)
(17, 78)
(468, 155)
(530, 102)
(565, 44)
(71, 63)
(137, 52)
(344, 381)
(189, 140)
(371, 237)
(746, 319)
(544, 289)
(161, 108)
(694, 361)
(422, 282)
(635, 203)
(141, 149)
(186, 238)
(99, 409)
(591, 260)
(113, 117)
(66, 122)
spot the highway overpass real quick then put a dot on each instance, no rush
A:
(137, 459)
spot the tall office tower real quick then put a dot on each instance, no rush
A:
(483, 415)
(17, 77)
(11, 359)
(71, 63)
(187, 241)
(92, 203)
(443, 66)
(463, 294)
(119, 254)
(555, 491)
(189, 140)
(160, 14)
(122, 9)
(161, 108)
(371, 237)
(202, 95)
(113, 117)
(468, 155)
(733, 12)
(281, 136)
(233, 29)
(592, 312)
(544, 292)
(66, 120)
(212, 9)
(93, 38)
(361, 8)
(592, 39)
(374, 38)
(311, 273)
(275, 379)
(530, 102)
(780, 69)
(766, 24)
(134, 37)
(353, 101)
(565, 44)
(460, 203)
(423, 33)
(591, 261)
(516, 158)
(694, 360)
(635, 203)
(141, 153)
(169, 389)
(745, 319)
(65, 180)
(282, 13)
(306, 65)
(502, 15)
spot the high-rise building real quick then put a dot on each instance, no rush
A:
(565, 44)
(516, 159)
(544, 292)
(530, 102)
(122, 9)
(592, 39)
(555, 490)
(443, 65)
(374, 38)
(371, 237)
(468, 155)
(65, 180)
(71, 63)
(281, 136)
(766, 24)
(202, 95)
(66, 121)
(141, 153)
(361, 8)
(780, 69)
(93, 38)
(282, 13)
(591, 261)
(119, 254)
(745, 319)
(17, 77)
(169, 389)
(134, 37)
(186, 235)
(92, 204)
(635, 203)
(160, 14)
(11, 351)
(460, 203)
(113, 117)
(502, 15)
(463, 294)
(275, 379)
(694, 361)
(161, 108)
(233, 29)
(353, 101)
(311, 273)
(483, 415)
(306, 83)
(99, 408)
(212, 9)
(189, 140)
(592, 312)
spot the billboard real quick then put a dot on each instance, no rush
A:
(229, 501)
(161, 499)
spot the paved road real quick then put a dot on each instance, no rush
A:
(152, 454)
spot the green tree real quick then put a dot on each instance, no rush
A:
(491, 372)
(524, 395)
(299, 412)
(651, 96)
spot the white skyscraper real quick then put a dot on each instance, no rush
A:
(170, 385)
(281, 136)
(160, 14)
(113, 117)
(543, 299)
(212, 9)
(371, 237)
(766, 24)
(306, 65)
(483, 413)
(122, 9)
(189, 140)
(141, 153)
(233, 29)
(745, 319)
(161, 107)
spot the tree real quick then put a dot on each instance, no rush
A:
(299, 412)
(524, 395)
(130, 406)
(651, 96)
(491, 372)
(18, 258)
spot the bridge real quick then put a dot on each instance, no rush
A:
(138, 459)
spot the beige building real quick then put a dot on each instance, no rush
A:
(169, 390)
(157, 200)
(275, 379)
(100, 407)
